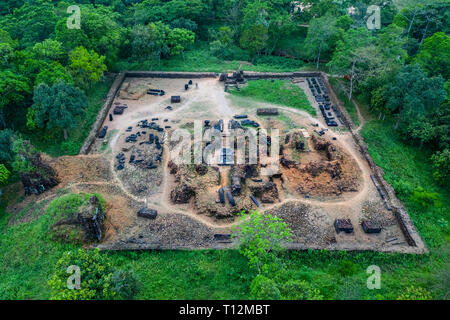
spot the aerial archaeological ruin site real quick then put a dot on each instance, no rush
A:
(321, 181)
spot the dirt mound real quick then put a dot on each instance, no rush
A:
(89, 168)
(332, 173)
(133, 91)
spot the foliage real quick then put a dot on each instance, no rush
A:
(87, 67)
(125, 284)
(6, 151)
(320, 33)
(4, 174)
(347, 268)
(415, 293)
(57, 106)
(48, 50)
(434, 55)
(424, 199)
(263, 288)
(441, 167)
(260, 239)
(96, 273)
(254, 39)
(413, 94)
(53, 74)
(299, 290)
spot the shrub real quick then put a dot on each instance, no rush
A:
(347, 268)
(414, 293)
(441, 167)
(95, 277)
(402, 188)
(263, 288)
(299, 290)
(261, 237)
(425, 199)
(125, 284)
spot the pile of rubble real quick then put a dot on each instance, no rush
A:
(40, 178)
(329, 173)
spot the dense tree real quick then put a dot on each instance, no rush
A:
(179, 39)
(53, 74)
(6, 151)
(413, 94)
(31, 23)
(150, 41)
(254, 39)
(14, 89)
(7, 47)
(434, 55)
(49, 50)
(441, 167)
(96, 272)
(222, 40)
(320, 31)
(57, 106)
(4, 175)
(86, 67)
(353, 55)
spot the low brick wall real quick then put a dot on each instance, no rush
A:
(103, 113)
(249, 75)
(169, 74)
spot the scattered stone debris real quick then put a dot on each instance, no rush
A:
(370, 227)
(267, 111)
(156, 92)
(119, 109)
(222, 238)
(147, 213)
(343, 225)
(102, 132)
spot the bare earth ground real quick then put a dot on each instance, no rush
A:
(184, 225)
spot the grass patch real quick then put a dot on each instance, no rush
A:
(201, 59)
(281, 92)
(406, 168)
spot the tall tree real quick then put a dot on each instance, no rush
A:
(434, 55)
(86, 67)
(57, 106)
(413, 94)
(320, 31)
(14, 90)
(179, 39)
(254, 39)
(353, 54)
